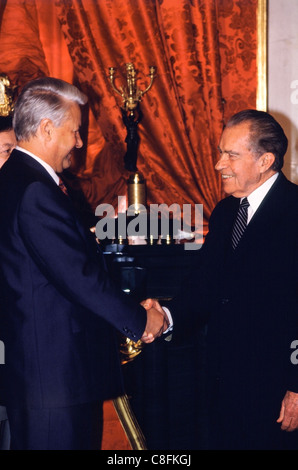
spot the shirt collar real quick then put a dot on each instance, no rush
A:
(46, 166)
(256, 197)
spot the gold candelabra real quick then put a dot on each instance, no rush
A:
(131, 94)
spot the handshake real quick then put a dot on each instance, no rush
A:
(157, 320)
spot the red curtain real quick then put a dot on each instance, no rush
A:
(205, 54)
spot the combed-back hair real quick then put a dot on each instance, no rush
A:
(42, 98)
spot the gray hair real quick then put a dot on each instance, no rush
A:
(43, 98)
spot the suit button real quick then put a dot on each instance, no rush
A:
(125, 329)
(225, 301)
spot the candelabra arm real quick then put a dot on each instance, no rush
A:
(148, 87)
(111, 78)
(115, 89)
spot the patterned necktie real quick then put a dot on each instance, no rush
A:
(62, 187)
(240, 223)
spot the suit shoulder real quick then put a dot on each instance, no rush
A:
(225, 205)
(17, 174)
(289, 193)
(293, 188)
(223, 214)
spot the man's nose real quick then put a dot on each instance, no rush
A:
(222, 162)
(79, 142)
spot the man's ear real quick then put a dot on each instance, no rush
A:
(266, 161)
(46, 129)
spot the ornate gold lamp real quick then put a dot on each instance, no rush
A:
(131, 96)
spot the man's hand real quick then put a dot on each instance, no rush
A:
(157, 321)
(152, 303)
(288, 416)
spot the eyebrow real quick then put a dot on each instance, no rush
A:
(227, 151)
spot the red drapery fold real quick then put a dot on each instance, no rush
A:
(205, 54)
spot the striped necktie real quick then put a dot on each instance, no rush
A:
(62, 187)
(240, 223)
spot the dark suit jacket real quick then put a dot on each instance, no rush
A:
(249, 299)
(60, 310)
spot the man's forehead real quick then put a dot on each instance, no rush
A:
(239, 131)
(7, 137)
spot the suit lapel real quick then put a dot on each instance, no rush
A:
(266, 217)
(230, 217)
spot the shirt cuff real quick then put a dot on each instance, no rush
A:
(170, 319)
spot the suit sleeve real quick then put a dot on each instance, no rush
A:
(292, 380)
(193, 303)
(68, 259)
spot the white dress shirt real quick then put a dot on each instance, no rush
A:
(256, 197)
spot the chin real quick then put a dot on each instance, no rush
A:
(233, 193)
(66, 163)
(229, 191)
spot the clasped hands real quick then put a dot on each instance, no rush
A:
(157, 320)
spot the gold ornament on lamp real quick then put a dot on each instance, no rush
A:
(6, 95)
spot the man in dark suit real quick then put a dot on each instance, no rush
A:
(7, 144)
(246, 288)
(60, 309)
